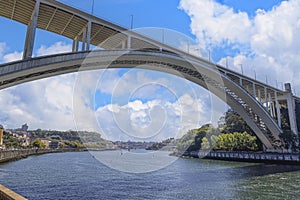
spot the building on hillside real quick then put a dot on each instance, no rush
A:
(53, 145)
(24, 127)
(46, 142)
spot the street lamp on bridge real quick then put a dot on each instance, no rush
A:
(242, 68)
(131, 23)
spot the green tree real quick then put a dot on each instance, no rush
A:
(290, 139)
(231, 122)
(38, 144)
(205, 144)
(236, 142)
(192, 140)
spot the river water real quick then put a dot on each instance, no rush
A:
(80, 175)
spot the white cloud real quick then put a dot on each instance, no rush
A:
(8, 57)
(58, 47)
(215, 24)
(12, 56)
(44, 104)
(268, 43)
(2, 48)
(151, 120)
(162, 107)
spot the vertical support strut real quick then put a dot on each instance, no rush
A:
(254, 90)
(278, 110)
(271, 105)
(123, 45)
(266, 99)
(83, 39)
(88, 36)
(129, 42)
(291, 108)
(75, 45)
(30, 34)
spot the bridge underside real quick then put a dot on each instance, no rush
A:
(202, 74)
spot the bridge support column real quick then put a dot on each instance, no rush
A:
(291, 108)
(266, 99)
(75, 45)
(271, 105)
(259, 95)
(254, 90)
(247, 88)
(278, 110)
(83, 39)
(30, 34)
(123, 45)
(88, 36)
(129, 42)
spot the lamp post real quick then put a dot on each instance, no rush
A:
(242, 68)
(131, 23)
(93, 3)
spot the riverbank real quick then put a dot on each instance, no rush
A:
(12, 155)
(257, 157)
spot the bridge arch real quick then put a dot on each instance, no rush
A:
(200, 72)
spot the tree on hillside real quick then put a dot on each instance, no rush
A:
(192, 140)
(37, 143)
(236, 142)
(290, 139)
(205, 144)
(231, 122)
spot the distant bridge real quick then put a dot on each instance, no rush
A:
(259, 104)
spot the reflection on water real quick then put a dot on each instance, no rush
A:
(82, 176)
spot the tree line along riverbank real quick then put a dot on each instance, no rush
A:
(231, 135)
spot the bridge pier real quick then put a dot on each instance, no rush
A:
(254, 90)
(129, 42)
(31, 30)
(88, 35)
(83, 39)
(75, 45)
(291, 108)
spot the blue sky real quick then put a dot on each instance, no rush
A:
(262, 36)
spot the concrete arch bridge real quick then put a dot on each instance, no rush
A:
(259, 104)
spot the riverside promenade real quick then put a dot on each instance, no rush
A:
(262, 157)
